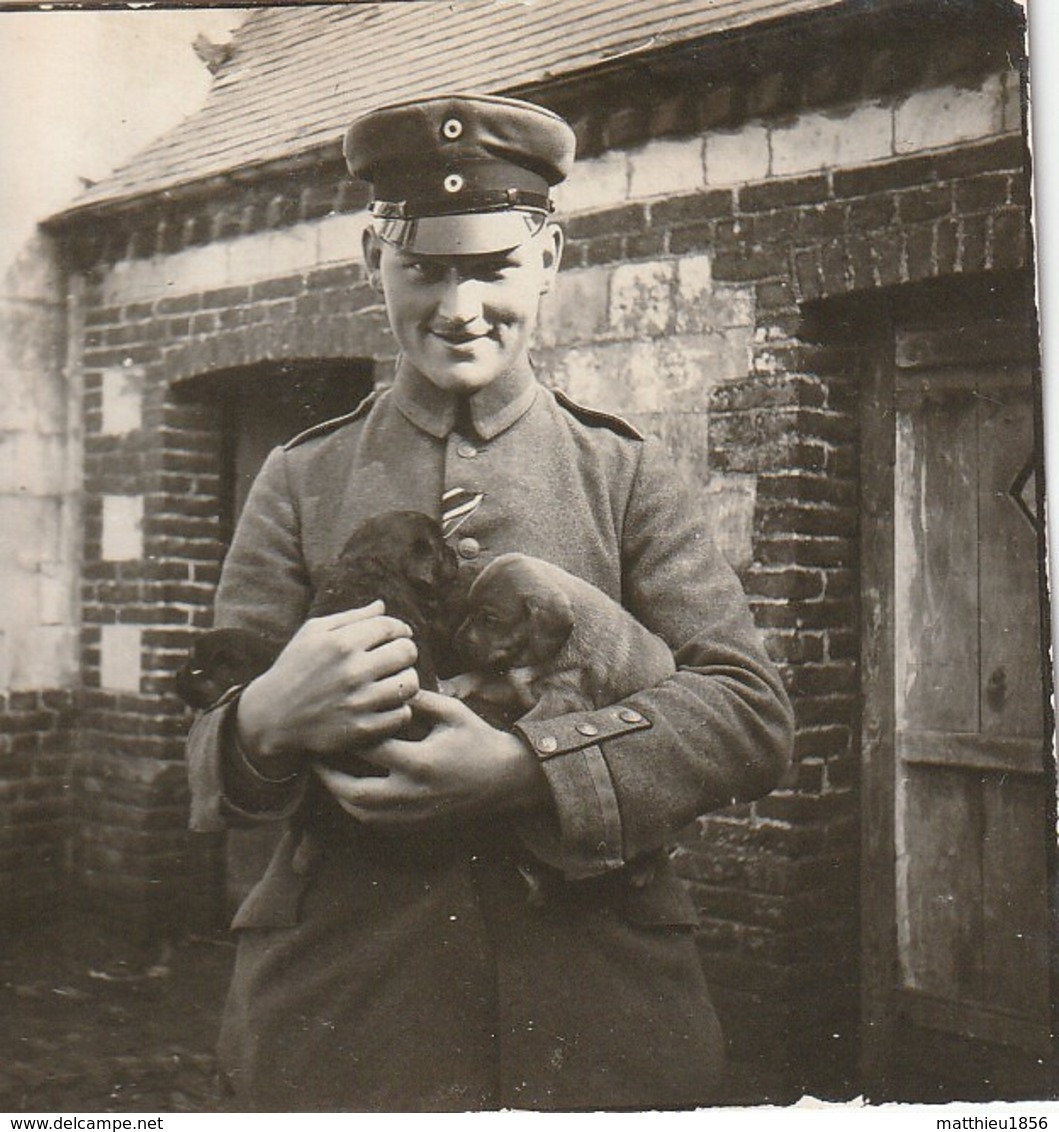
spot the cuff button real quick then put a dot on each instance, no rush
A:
(586, 729)
(627, 715)
(547, 744)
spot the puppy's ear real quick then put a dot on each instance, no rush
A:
(426, 562)
(551, 621)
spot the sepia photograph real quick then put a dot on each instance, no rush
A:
(524, 560)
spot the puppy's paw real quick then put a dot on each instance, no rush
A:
(464, 685)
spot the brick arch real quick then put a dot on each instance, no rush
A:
(250, 327)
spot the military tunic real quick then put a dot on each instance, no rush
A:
(416, 971)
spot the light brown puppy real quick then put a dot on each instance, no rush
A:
(538, 642)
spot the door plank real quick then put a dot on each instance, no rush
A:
(975, 1021)
(1015, 909)
(969, 344)
(940, 881)
(1011, 693)
(972, 752)
(936, 566)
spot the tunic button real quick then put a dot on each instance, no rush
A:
(547, 744)
(627, 715)
(466, 449)
(468, 548)
(587, 729)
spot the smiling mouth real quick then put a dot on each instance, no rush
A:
(458, 339)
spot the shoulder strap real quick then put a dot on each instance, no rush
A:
(596, 418)
(324, 427)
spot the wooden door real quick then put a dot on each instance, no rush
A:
(966, 745)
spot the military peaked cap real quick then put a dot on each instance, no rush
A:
(460, 174)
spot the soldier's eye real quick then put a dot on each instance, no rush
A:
(424, 271)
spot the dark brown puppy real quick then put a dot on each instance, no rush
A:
(399, 557)
(220, 659)
(538, 642)
(402, 558)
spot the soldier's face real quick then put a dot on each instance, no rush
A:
(464, 320)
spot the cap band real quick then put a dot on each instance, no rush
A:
(469, 233)
(484, 200)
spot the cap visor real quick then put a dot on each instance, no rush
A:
(469, 233)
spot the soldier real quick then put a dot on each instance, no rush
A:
(412, 969)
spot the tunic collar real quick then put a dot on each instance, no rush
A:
(493, 409)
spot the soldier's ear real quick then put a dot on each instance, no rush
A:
(552, 253)
(372, 247)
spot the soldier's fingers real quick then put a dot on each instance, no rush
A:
(438, 706)
(350, 616)
(367, 667)
(371, 633)
(367, 728)
(353, 791)
(390, 691)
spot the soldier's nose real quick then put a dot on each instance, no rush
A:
(461, 303)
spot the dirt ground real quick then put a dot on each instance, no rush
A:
(94, 1025)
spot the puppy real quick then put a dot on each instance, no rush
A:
(402, 558)
(221, 659)
(538, 642)
(398, 556)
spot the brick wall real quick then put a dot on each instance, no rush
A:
(35, 756)
(700, 224)
(153, 545)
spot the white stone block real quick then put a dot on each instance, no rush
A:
(338, 238)
(829, 141)
(248, 258)
(30, 364)
(32, 271)
(271, 255)
(20, 592)
(575, 310)
(55, 596)
(730, 501)
(598, 182)
(182, 273)
(641, 299)
(676, 374)
(32, 464)
(31, 531)
(1012, 114)
(123, 388)
(702, 306)
(203, 268)
(43, 656)
(736, 157)
(945, 116)
(122, 527)
(120, 657)
(292, 250)
(581, 373)
(665, 167)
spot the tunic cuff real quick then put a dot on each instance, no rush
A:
(247, 795)
(589, 838)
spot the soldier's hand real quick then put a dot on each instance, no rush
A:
(342, 681)
(463, 767)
